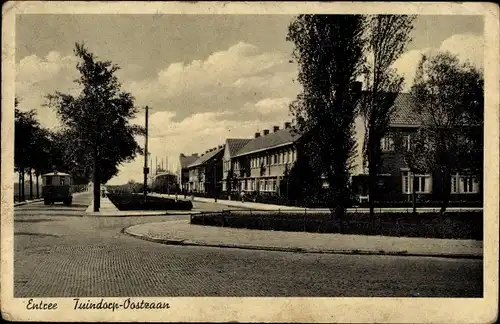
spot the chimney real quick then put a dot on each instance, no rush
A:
(266, 131)
(257, 134)
(276, 128)
(288, 125)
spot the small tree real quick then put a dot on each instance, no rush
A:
(329, 52)
(97, 120)
(449, 100)
(388, 36)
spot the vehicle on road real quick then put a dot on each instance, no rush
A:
(57, 187)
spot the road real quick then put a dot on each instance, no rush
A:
(59, 253)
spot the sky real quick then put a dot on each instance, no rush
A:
(206, 77)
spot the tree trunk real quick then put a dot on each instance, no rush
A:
(31, 183)
(372, 174)
(413, 194)
(97, 183)
(37, 175)
(446, 179)
(20, 191)
(22, 198)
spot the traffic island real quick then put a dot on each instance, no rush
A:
(454, 225)
(184, 233)
(128, 202)
(108, 209)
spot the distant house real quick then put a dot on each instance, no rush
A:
(395, 178)
(205, 173)
(185, 161)
(165, 182)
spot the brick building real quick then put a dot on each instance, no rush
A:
(205, 173)
(395, 178)
(262, 161)
(185, 161)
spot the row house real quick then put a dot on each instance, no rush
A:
(261, 162)
(395, 181)
(185, 162)
(205, 173)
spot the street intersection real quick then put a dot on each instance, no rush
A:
(60, 252)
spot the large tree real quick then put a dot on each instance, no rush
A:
(97, 120)
(329, 53)
(388, 36)
(449, 98)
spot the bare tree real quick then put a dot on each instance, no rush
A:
(388, 37)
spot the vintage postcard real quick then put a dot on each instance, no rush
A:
(250, 161)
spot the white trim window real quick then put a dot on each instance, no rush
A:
(387, 144)
(423, 183)
(464, 184)
(407, 142)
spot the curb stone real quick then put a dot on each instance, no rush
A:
(27, 202)
(296, 250)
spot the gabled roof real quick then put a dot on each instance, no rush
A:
(187, 160)
(279, 138)
(236, 144)
(205, 157)
(403, 113)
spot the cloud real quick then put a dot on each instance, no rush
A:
(225, 80)
(468, 48)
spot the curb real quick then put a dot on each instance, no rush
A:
(27, 202)
(138, 214)
(295, 250)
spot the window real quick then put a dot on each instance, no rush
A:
(423, 183)
(387, 144)
(62, 181)
(281, 157)
(406, 142)
(464, 183)
(274, 184)
(48, 181)
(293, 156)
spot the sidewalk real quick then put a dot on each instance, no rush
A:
(261, 206)
(183, 233)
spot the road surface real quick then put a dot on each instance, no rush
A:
(59, 253)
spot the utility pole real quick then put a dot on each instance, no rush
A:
(146, 170)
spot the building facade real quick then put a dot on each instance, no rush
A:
(260, 164)
(396, 182)
(183, 177)
(205, 173)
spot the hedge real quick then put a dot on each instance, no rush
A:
(455, 225)
(136, 202)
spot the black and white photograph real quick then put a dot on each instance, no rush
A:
(255, 162)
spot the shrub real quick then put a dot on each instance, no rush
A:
(136, 202)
